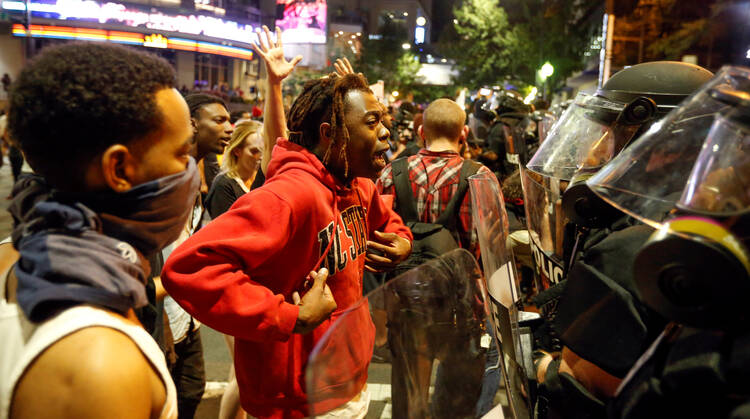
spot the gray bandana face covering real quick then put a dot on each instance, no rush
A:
(89, 249)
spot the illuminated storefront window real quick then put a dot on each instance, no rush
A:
(211, 71)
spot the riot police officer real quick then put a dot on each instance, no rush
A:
(507, 109)
(690, 178)
(584, 248)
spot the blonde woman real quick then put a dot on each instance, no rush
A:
(240, 164)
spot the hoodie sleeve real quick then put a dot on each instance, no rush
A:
(382, 217)
(208, 273)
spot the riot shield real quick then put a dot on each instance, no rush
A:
(512, 148)
(491, 223)
(547, 225)
(514, 130)
(435, 318)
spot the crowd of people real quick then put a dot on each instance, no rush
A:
(150, 213)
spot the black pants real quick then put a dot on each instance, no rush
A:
(189, 373)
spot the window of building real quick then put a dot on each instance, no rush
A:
(211, 70)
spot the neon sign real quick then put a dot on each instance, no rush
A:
(87, 10)
(132, 38)
(155, 41)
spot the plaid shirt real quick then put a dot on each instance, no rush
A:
(434, 178)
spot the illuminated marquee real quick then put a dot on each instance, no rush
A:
(91, 11)
(132, 38)
(155, 41)
(302, 22)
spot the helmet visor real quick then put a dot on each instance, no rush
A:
(720, 180)
(583, 137)
(695, 158)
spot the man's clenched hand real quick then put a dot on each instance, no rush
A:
(316, 305)
(386, 251)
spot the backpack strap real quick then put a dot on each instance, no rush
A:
(404, 193)
(448, 218)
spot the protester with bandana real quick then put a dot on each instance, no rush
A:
(109, 137)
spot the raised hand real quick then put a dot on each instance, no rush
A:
(273, 53)
(343, 67)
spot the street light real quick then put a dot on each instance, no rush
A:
(405, 46)
(421, 21)
(544, 73)
(394, 93)
(546, 70)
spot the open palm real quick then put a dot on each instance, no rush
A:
(273, 53)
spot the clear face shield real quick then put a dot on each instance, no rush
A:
(689, 178)
(582, 136)
(589, 134)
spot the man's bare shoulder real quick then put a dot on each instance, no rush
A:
(94, 372)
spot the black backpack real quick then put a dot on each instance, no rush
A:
(430, 239)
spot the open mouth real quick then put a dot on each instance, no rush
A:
(379, 158)
(224, 142)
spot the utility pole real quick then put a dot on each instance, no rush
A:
(608, 31)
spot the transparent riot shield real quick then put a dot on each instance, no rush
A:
(491, 223)
(547, 226)
(512, 147)
(433, 319)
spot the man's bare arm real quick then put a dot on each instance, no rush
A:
(96, 372)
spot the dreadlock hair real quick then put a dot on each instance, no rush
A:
(322, 100)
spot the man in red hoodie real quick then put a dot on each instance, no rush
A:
(317, 217)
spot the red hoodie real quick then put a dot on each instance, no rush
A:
(238, 273)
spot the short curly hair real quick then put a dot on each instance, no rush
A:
(75, 100)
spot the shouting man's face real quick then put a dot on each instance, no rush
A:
(368, 136)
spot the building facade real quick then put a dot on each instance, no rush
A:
(207, 41)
